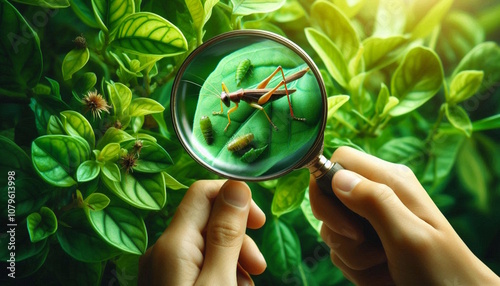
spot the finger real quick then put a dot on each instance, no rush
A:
(225, 233)
(243, 278)
(256, 217)
(251, 259)
(378, 204)
(398, 177)
(357, 256)
(335, 216)
(377, 275)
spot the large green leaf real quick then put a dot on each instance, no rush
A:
(57, 157)
(281, 247)
(109, 13)
(489, 123)
(337, 27)
(87, 171)
(409, 151)
(74, 61)
(144, 106)
(76, 124)
(152, 158)
(120, 96)
(41, 224)
(148, 33)
(464, 85)
(380, 52)
(459, 118)
(485, 57)
(333, 59)
(291, 136)
(290, 192)
(144, 191)
(78, 239)
(121, 228)
(417, 79)
(113, 135)
(52, 4)
(83, 9)
(247, 7)
(20, 54)
(431, 19)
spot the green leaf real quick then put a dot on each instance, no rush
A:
(120, 96)
(459, 118)
(84, 83)
(83, 9)
(15, 158)
(349, 7)
(337, 27)
(152, 157)
(110, 152)
(391, 18)
(109, 13)
(485, 57)
(113, 135)
(391, 103)
(144, 106)
(382, 98)
(335, 102)
(55, 126)
(148, 33)
(143, 191)
(76, 124)
(121, 228)
(473, 174)
(417, 79)
(291, 11)
(247, 7)
(381, 52)
(308, 213)
(52, 4)
(197, 12)
(208, 7)
(292, 135)
(172, 183)
(87, 171)
(334, 61)
(41, 224)
(57, 157)
(464, 85)
(409, 151)
(111, 171)
(281, 247)
(431, 19)
(290, 192)
(78, 239)
(97, 201)
(74, 61)
(492, 122)
(20, 55)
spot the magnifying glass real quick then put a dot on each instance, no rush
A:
(251, 105)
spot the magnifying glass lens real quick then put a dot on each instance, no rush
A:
(249, 106)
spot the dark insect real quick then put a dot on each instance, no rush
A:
(244, 68)
(207, 129)
(239, 143)
(261, 95)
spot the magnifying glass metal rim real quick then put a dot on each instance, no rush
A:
(313, 151)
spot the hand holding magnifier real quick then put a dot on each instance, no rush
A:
(252, 106)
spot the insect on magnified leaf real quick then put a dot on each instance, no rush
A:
(207, 129)
(261, 95)
(243, 70)
(240, 142)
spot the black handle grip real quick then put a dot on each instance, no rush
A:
(324, 181)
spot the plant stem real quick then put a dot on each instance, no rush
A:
(435, 129)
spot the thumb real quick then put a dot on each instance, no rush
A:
(376, 202)
(225, 234)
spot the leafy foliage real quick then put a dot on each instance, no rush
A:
(87, 138)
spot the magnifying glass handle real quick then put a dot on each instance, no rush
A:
(324, 170)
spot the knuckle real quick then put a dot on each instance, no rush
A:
(224, 234)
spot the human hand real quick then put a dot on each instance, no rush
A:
(418, 245)
(205, 244)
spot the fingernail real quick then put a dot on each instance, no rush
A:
(236, 197)
(345, 180)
